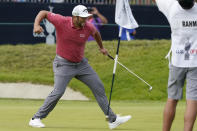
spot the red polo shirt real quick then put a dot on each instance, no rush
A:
(70, 40)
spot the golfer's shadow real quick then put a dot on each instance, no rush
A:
(87, 128)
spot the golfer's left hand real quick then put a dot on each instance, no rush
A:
(104, 51)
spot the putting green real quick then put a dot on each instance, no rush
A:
(86, 116)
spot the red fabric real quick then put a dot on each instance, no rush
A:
(70, 41)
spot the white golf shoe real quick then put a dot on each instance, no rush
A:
(119, 120)
(36, 123)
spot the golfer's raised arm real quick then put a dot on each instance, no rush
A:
(41, 15)
(98, 39)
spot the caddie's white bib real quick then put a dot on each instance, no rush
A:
(184, 32)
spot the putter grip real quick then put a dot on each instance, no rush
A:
(110, 57)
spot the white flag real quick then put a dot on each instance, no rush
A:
(124, 16)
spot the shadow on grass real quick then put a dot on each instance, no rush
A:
(88, 128)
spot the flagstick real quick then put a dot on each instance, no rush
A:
(114, 70)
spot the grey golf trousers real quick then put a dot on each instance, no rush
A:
(64, 71)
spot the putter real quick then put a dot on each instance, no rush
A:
(150, 87)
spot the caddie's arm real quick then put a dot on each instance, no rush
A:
(98, 39)
(41, 15)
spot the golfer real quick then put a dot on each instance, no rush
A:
(182, 16)
(72, 34)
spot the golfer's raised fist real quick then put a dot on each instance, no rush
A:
(38, 29)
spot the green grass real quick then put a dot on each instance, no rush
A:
(86, 116)
(33, 63)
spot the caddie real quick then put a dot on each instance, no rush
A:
(182, 17)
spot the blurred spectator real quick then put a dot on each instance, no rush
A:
(56, 1)
(97, 19)
(19, 1)
(39, 1)
(128, 34)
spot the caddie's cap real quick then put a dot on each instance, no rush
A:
(80, 10)
(186, 4)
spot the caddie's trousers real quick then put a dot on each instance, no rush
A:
(64, 71)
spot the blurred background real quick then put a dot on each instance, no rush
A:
(17, 17)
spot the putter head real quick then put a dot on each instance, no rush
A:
(150, 89)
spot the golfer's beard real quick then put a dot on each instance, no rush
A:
(81, 24)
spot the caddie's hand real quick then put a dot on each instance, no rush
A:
(104, 51)
(38, 29)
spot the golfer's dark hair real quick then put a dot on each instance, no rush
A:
(186, 4)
